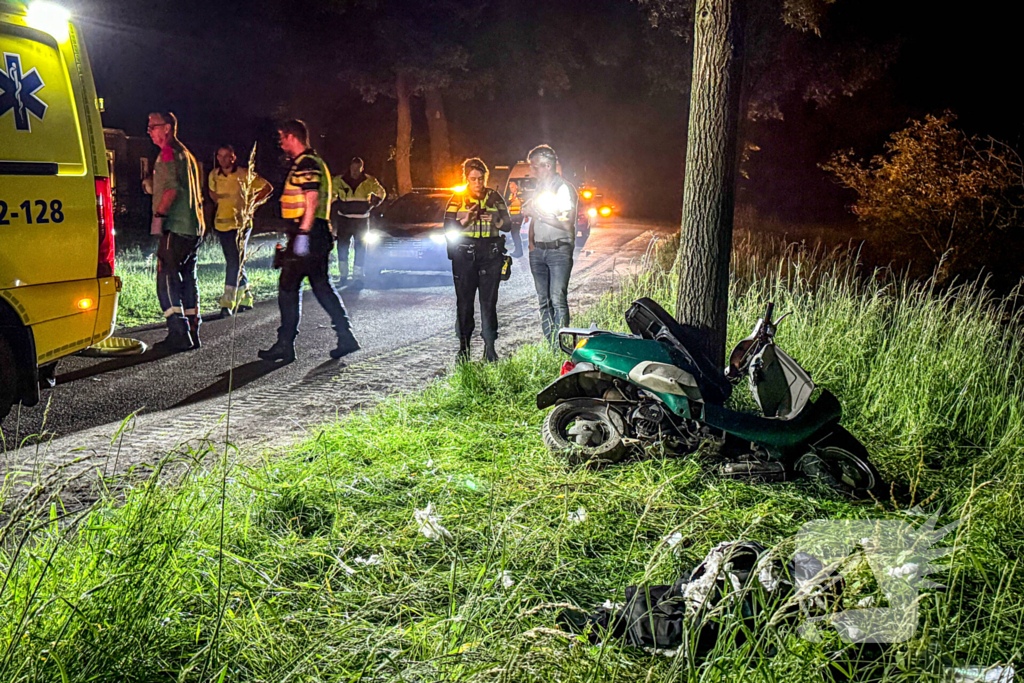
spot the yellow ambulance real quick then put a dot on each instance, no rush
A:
(58, 292)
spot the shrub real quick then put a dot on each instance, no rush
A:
(955, 195)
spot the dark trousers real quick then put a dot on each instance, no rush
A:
(350, 229)
(551, 269)
(176, 285)
(312, 266)
(476, 267)
(232, 258)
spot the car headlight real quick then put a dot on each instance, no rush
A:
(453, 235)
(372, 237)
(437, 237)
(592, 213)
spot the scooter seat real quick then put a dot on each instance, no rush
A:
(649, 320)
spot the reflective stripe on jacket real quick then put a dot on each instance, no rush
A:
(308, 174)
(494, 212)
(354, 202)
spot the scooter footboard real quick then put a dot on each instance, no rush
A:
(777, 433)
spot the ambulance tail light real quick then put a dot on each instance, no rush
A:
(105, 218)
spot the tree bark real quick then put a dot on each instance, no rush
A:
(440, 145)
(709, 188)
(403, 143)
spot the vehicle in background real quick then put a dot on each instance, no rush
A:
(407, 236)
(58, 292)
(519, 189)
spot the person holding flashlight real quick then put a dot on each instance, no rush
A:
(473, 220)
(306, 202)
(552, 237)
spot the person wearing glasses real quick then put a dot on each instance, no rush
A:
(178, 221)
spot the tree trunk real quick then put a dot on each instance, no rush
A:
(440, 146)
(710, 184)
(403, 144)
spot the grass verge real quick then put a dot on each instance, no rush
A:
(317, 570)
(138, 304)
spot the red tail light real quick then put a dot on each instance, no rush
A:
(568, 366)
(105, 217)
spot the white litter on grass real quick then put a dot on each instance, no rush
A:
(429, 523)
(908, 571)
(578, 517)
(368, 561)
(348, 570)
(613, 606)
(865, 603)
(506, 579)
(673, 540)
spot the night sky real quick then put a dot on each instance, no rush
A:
(229, 69)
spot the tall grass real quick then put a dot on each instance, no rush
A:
(326, 577)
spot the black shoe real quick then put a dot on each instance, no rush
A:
(279, 351)
(226, 312)
(463, 355)
(346, 344)
(177, 338)
(490, 355)
(194, 321)
(242, 308)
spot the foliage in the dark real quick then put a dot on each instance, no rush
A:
(936, 191)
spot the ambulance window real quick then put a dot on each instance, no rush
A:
(38, 115)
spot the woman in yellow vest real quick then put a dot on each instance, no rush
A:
(225, 184)
(473, 221)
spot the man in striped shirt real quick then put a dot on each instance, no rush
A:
(306, 202)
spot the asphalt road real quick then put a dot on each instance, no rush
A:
(413, 323)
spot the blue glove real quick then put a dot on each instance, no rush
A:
(301, 245)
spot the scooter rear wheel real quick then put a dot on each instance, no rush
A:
(841, 461)
(585, 431)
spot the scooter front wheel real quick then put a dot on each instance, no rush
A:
(585, 431)
(841, 461)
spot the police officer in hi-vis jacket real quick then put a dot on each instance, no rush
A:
(473, 219)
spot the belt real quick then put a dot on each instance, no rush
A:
(552, 245)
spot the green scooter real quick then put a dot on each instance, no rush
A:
(653, 387)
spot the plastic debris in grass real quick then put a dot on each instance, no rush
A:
(672, 541)
(370, 561)
(506, 580)
(578, 517)
(429, 523)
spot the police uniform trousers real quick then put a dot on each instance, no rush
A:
(313, 266)
(476, 267)
(353, 229)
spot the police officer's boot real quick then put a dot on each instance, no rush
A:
(463, 355)
(490, 355)
(177, 338)
(281, 350)
(194, 321)
(346, 344)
